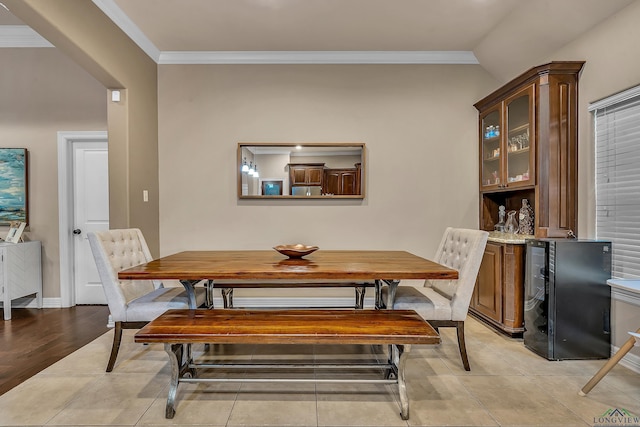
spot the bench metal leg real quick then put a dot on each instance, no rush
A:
(182, 366)
(175, 356)
(403, 352)
(183, 369)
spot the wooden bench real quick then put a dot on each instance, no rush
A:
(227, 286)
(178, 329)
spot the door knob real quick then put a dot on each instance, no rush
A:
(77, 231)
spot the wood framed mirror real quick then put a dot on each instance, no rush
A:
(268, 170)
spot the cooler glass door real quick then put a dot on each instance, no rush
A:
(536, 300)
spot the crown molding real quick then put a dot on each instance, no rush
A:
(21, 36)
(319, 57)
(24, 36)
(111, 9)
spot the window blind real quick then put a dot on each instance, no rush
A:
(617, 133)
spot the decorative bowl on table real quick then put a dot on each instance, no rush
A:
(295, 251)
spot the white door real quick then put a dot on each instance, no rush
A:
(90, 213)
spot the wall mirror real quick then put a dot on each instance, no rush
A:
(300, 171)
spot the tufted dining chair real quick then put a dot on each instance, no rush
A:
(132, 303)
(445, 303)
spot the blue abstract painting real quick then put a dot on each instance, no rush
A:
(13, 185)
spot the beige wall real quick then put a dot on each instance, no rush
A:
(612, 65)
(84, 33)
(43, 92)
(418, 122)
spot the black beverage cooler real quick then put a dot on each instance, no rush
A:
(567, 300)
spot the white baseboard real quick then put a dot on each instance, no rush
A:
(289, 302)
(630, 361)
(249, 302)
(30, 302)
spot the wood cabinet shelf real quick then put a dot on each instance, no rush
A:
(519, 151)
(518, 129)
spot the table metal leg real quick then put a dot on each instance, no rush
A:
(209, 294)
(378, 294)
(403, 351)
(360, 291)
(227, 297)
(391, 296)
(390, 362)
(191, 292)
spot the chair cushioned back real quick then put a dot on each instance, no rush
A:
(460, 249)
(116, 250)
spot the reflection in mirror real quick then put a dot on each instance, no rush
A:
(309, 170)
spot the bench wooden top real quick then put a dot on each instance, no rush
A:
(289, 327)
(263, 265)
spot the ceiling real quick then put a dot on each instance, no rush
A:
(504, 36)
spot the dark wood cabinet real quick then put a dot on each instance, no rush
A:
(341, 181)
(306, 173)
(528, 150)
(487, 295)
(498, 298)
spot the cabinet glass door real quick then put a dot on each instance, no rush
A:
(491, 149)
(519, 139)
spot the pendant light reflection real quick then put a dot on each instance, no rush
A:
(249, 169)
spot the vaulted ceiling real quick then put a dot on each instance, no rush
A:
(503, 36)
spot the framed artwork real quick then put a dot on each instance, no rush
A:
(15, 232)
(272, 187)
(14, 197)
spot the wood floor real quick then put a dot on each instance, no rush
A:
(35, 339)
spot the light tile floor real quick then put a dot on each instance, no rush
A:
(508, 386)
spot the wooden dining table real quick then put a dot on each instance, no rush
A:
(378, 266)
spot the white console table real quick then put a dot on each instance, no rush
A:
(20, 273)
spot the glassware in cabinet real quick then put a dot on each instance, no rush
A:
(519, 139)
(491, 149)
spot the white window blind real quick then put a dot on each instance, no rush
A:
(617, 132)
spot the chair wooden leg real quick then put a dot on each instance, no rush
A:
(461, 344)
(117, 337)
